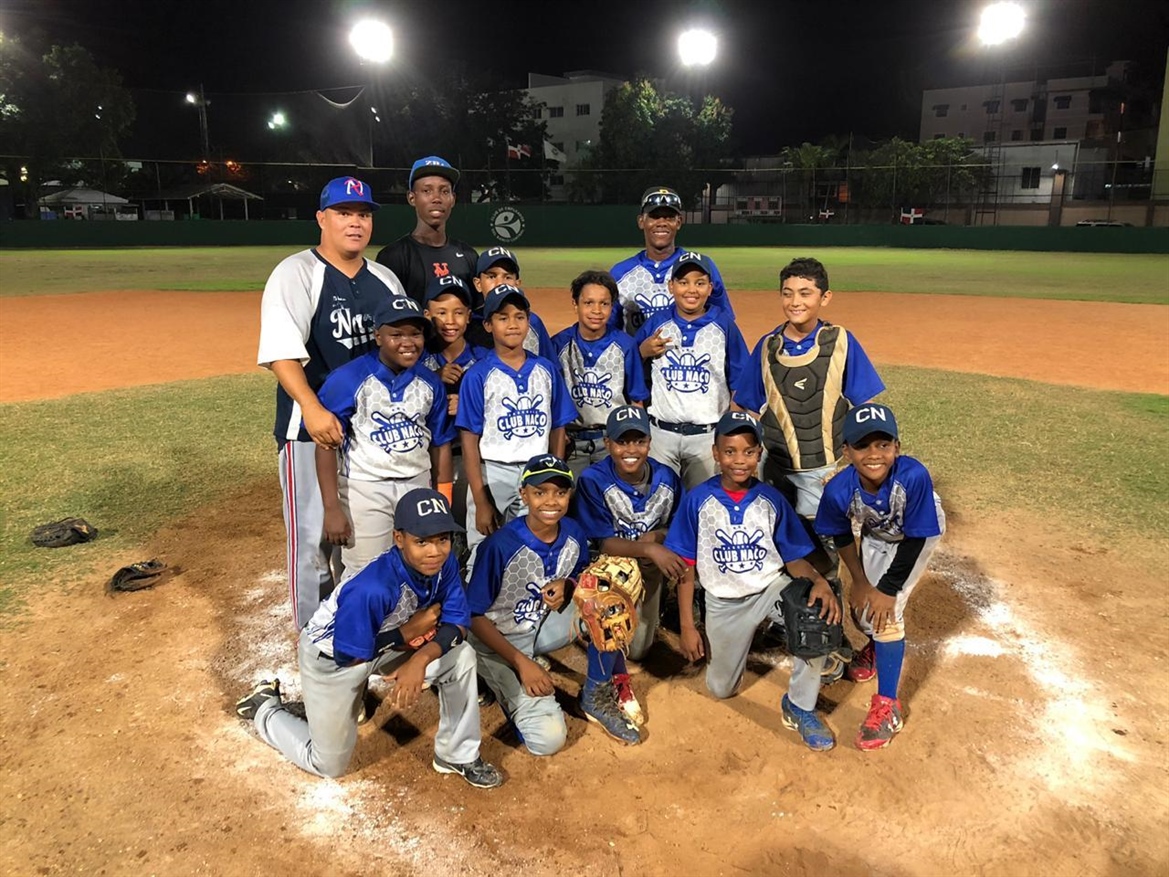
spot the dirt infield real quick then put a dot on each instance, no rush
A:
(52, 346)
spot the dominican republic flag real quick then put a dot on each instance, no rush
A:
(518, 150)
(911, 215)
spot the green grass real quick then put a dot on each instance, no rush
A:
(1139, 279)
(1089, 464)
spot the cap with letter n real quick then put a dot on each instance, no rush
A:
(432, 166)
(424, 512)
(545, 467)
(396, 309)
(448, 284)
(505, 294)
(691, 259)
(347, 190)
(738, 421)
(491, 257)
(865, 420)
(624, 420)
(660, 198)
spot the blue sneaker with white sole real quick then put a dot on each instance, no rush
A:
(816, 735)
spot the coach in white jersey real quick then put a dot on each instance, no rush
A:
(641, 279)
(316, 314)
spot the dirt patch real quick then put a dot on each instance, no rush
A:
(55, 345)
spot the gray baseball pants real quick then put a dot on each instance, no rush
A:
(690, 456)
(503, 483)
(310, 557)
(370, 506)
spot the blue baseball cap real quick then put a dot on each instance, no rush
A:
(437, 287)
(867, 419)
(545, 467)
(494, 256)
(398, 309)
(660, 198)
(503, 294)
(432, 166)
(347, 190)
(737, 421)
(691, 259)
(626, 419)
(424, 512)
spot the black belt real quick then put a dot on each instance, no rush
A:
(683, 428)
(588, 435)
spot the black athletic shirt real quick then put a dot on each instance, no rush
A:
(416, 263)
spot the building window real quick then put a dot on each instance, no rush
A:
(1016, 135)
(555, 112)
(1059, 133)
(939, 136)
(1019, 105)
(961, 134)
(992, 106)
(1036, 134)
(941, 110)
(1062, 102)
(963, 108)
(1030, 178)
(988, 137)
(582, 109)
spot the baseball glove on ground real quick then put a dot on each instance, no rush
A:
(605, 595)
(139, 576)
(808, 635)
(58, 534)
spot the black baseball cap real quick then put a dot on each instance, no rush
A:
(432, 166)
(440, 286)
(504, 294)
(398, 309)
(864, 420)
(494, 256)
(545, 467)
(626, 419)
(660, 198)
(424, 512)
(737, 421)
(690, 259)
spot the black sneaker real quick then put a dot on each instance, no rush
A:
(478, 773)
(265, 690)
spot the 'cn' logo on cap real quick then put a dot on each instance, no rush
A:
(401, 303)
(431, 506)
(690, 257)
(863, 415)
(626, 414)
(354, 187)
(741, 416)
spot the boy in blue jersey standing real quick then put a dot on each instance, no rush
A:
(498, 266)
(743, 540)
(642, 278)
(518, 595)
(404, 617)
(393, 412)
(892, 499)
(449, 354)
(693, 353)
(600, 364)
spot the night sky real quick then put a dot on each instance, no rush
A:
(792, 71)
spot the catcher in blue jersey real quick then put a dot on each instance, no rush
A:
(744, 541)
(404, 617)
(600, 364)
(642, 278)
(892, 499)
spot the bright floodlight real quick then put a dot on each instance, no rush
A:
(372, 40)
(191, 97)
(697, 48)
(278, 120)
(1000, 22)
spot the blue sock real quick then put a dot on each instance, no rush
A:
(600, 664)
(889, 659)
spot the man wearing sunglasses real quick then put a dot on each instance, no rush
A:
(641, 279)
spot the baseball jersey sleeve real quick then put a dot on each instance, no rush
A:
(682, 537)
(338, 395)
(750, 394)
(790, 537)
(589, 507)
(921, 515)
(563, 408)
(438, 419)
(575, 532)
(546, 349)
(361, 608)
(635, 386)
(718, 293)
(452, 595)
(861, 381)
(470, 413)
(287, 307)
(832, 517)
(738, 358)
(487, 575)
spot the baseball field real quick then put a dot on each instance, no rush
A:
(1035, 386)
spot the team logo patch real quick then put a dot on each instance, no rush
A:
(507, 224)
(592, 389)
(739, 552)
(529, 610)
(441, 269)
(351, 329)
(686, 372)
(524, 418)
(651, 302)
(632, 530)
(397, 433)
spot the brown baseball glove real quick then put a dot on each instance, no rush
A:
(606, 595)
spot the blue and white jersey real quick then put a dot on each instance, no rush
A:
(690, 382)
(601, 375)
(513, 412)
(607, 506)
(737, 546)
(861, 381)
(513, 567)
(642, 290)
(390, 420)
(904, 505)
(537, 340)
(381, 597)
(435, 360)
(315, 314)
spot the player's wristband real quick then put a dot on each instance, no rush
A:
(447, 489)
(389, 639)
(448, 636)
(843, 539)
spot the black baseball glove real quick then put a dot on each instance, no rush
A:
(808, 635)
(138, 576)
(58, 534)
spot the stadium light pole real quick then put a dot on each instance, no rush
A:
(200, 102)
(999, 23)
(373, 41)
(697, 49)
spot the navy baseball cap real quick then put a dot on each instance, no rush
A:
(398, 309)
(494, 256)
(424, 512)
(347, 190)
(626, 419)
(737, 421)
(504, 294)
(691, 259)
(660, 198)
(440, 286)
(545, 467)
(867, 419)
(432, 166)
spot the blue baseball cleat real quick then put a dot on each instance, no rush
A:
(816, 735)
